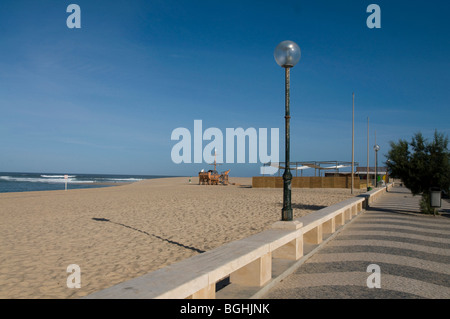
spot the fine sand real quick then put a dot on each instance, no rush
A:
(117, 233)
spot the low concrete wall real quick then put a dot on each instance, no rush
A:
(247, 262)
(306, 182)
(376, 193)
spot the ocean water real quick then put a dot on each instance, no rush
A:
(27, 182)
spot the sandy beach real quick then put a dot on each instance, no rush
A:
(118, 233)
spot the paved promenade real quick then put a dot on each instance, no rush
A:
(412, 251)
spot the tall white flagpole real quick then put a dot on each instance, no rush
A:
(353, 141)
(368, 153)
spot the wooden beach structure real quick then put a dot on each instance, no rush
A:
(212, 177)
(327, 174)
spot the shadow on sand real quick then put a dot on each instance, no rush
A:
(151, 235)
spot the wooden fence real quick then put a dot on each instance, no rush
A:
(306, 182)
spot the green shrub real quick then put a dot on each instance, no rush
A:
(421, 165)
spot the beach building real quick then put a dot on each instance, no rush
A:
(380, 171)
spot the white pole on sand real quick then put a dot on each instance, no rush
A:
(353, 141)
(65, 178)
(367, 178)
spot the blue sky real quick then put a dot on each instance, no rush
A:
(105, 98)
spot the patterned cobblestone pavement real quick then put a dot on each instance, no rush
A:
(412, 251)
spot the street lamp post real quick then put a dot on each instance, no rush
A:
(376, 148)
(287, 54)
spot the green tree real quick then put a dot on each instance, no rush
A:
(421, 165)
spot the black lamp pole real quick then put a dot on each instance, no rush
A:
(287, 176)
(287, 54)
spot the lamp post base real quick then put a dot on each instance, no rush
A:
(286, 212)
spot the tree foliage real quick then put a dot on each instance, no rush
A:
(421, 164)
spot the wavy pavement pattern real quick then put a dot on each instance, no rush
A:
(413, 252)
